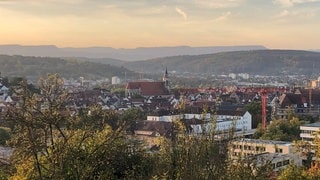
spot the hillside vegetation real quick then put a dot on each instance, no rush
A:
(264, 62)
(33, 67)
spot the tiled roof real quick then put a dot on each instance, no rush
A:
(149, 88)
(163, 128)
(291, 99)
(298, 99)
(231, 112)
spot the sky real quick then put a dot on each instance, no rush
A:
(276, 24)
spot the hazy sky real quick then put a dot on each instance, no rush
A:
(288, 24)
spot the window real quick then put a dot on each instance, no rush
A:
(260, 148)
(286, 162)
(279, 150)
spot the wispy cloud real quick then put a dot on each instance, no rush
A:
(182, 13)
(218, 3)
(289, 3)
(283, 14)
(295, 16)
(223, 17)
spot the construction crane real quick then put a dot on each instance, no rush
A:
(264, 108)
(309, 88)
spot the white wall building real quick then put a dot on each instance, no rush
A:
(226, 121)
(279, 153)
(240, 121)
(244, 75)
(309, 131)
(115, 80)
(232, 76)
(170, 118)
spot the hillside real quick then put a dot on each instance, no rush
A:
(33, 67)
(263, 62)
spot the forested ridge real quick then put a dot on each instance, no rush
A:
(263, 62)
(35, 67)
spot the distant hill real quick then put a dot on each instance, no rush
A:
(264, 62)
(34, 67)
(114, 62)
(122, 54)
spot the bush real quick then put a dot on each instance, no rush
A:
(4, 135)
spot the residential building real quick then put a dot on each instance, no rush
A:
(300, 102)
(278, 153)
(115, 80)
(308, 132)
(245, 147)
(239, 121)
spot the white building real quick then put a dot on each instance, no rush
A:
(115, 80)
(309, 131)
(232, 76)
(279, 153)
(170, 118)
(244, 75)
(240, 121)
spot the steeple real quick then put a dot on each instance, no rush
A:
(165, 78)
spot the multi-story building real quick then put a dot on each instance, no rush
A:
(308, 132)
(225, 120)
(278, 153)
(245, 147)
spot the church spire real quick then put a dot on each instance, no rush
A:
(165, 78)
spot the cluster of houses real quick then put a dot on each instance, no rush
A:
(4, 97)
(199, 109)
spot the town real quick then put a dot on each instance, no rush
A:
(256, 121)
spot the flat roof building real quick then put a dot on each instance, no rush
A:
(309, 131)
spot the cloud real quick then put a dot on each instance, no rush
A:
(284, 13)
(223, 17)
(289, 3)
(296, 16)
(182, 13)
(216, 4)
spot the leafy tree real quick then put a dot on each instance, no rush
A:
(293, 172)
(38, 122)
(281, 130)
(119, 91)
(254, 108)
(190, 157)
(51, 144)
(131, 118)
(95, 118)
(248, 168)
(4, 135)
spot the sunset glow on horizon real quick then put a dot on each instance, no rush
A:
(276, 24)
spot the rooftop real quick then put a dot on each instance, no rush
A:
(316, 124)
(260, 141)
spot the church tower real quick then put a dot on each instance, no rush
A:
(165, 78)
